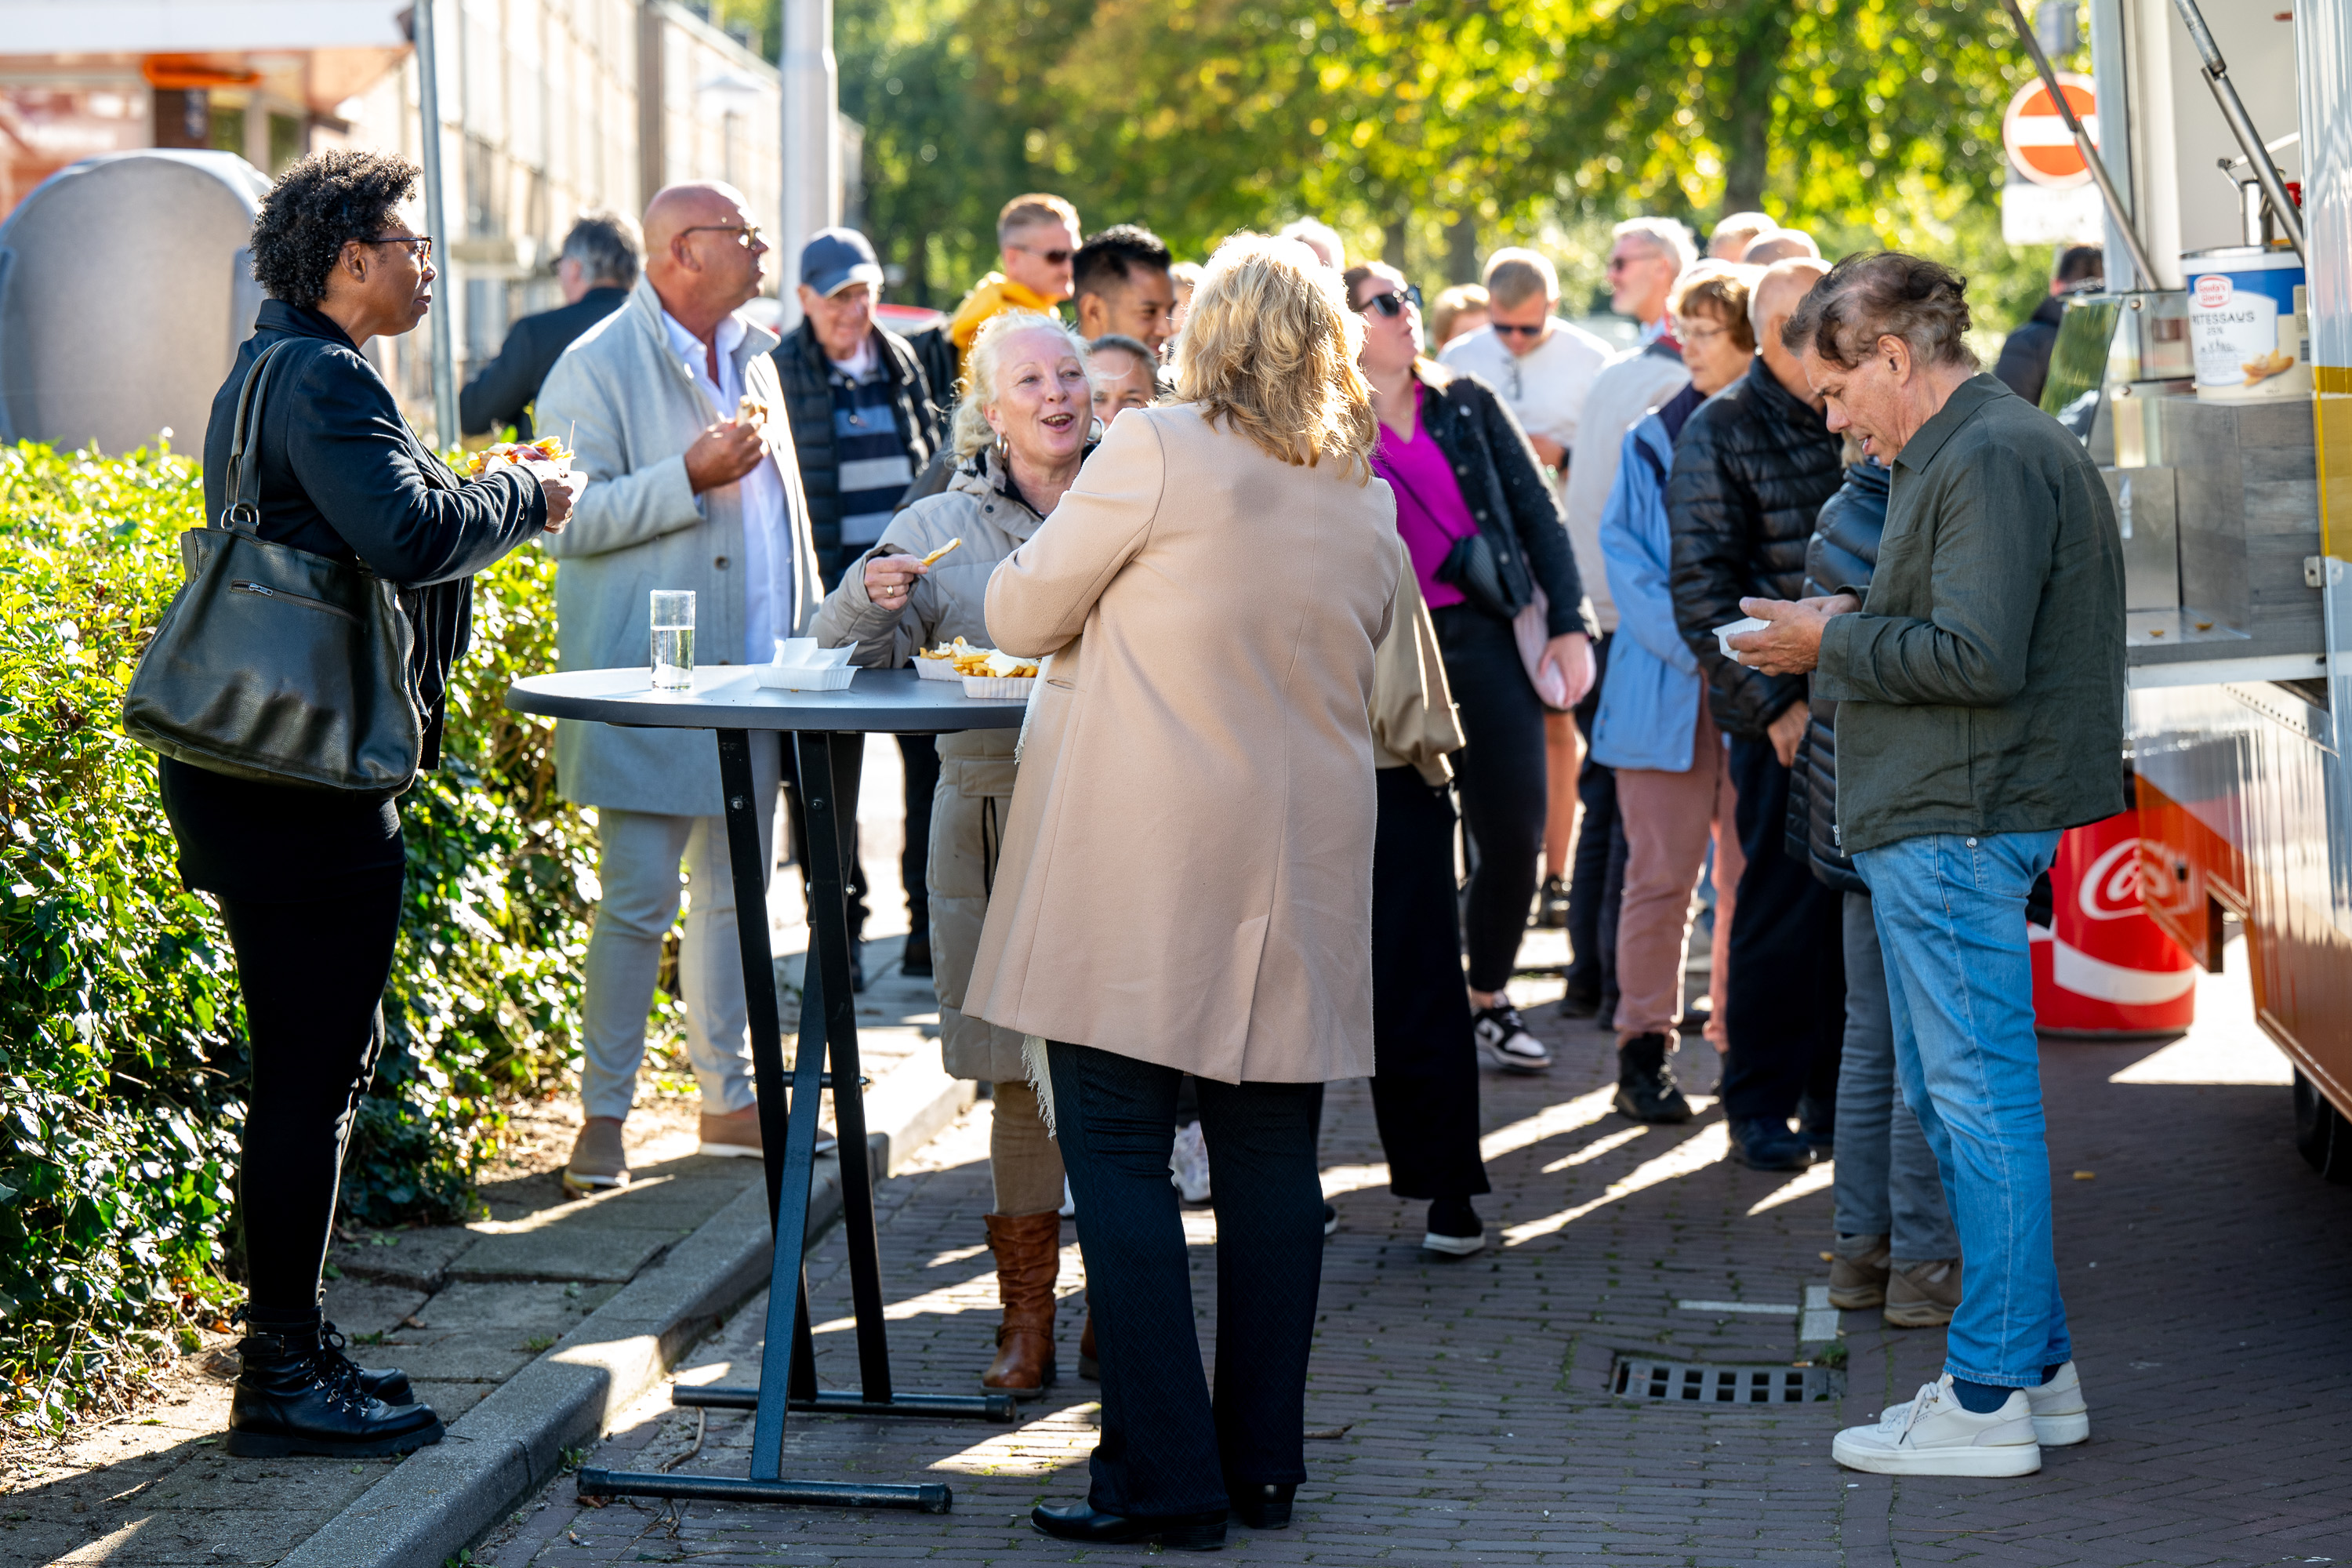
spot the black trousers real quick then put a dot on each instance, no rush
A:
(919, 756)
(1425, 1071)
(1499, 775)
(1592, 894)
(1167, 1444)
(1784, 1005)
(312, 974)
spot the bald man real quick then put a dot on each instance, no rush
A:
(674, 410)
(1751, 471)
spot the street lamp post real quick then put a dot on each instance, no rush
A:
(811, 138)
(428, 75)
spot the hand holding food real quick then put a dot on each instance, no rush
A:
(558, 484)
(891, 578)
(546, 450)
(723, 454)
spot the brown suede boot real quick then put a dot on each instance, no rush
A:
(1028, 1250)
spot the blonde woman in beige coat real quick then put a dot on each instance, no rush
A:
(1019, 439)
(1187, 878)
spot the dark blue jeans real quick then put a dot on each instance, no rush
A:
(1167, 1446)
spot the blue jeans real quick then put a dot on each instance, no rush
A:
(1886, 1182)
(1950, 911)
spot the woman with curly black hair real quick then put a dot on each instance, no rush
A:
(309, 882)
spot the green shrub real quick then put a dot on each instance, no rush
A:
(122, 1063)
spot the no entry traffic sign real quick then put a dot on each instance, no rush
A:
(2039, 146)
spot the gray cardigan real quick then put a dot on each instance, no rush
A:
(632, 409)
(1980, 687)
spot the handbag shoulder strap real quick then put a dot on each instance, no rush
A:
(243, 482)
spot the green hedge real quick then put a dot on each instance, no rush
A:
(121, 1064)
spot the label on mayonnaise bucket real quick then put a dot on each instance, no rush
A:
(2243, 335)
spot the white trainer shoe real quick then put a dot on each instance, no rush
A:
(1188, 1165)
(2061, 1416)
(1935, 1437)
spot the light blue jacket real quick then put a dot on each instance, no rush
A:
(1649, 702)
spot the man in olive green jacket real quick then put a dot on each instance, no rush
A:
(1980, 713)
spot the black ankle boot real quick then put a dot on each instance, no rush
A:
(1646, 1090)
(1177, 1532)
(388, 1383)
(297, 1394)
(1262, 1505)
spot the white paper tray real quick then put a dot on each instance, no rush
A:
(1013, 688)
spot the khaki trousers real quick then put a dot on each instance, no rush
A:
(1668, 819)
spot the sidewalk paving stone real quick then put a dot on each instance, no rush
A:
(2215, 1338)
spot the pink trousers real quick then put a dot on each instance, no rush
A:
(1668, 819)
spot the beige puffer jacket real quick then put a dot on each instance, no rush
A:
(976, 767)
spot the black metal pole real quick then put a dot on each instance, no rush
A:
(927, 1498)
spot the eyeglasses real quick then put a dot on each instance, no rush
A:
(1508, 330)
(1393, 303)
(1619, 263)
(747, 235)
(1691, 331)
(420, 246)
(1050, 257)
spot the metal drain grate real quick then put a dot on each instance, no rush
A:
(1714, 1382)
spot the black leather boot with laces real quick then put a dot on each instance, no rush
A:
(1646, 1090)
(297, 1394)
(388, 1383)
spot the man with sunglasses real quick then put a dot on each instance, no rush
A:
(1036, 237)
(1542, 366)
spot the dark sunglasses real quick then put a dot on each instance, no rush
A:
(1050, 257)
(420, 246)
(1511, 331)
(1393, 303)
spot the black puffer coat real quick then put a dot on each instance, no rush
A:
(1843, 554)
(1752, 468)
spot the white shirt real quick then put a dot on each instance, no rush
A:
(1627, 388)
(1547, 387)
(767, 549)
(860, 364)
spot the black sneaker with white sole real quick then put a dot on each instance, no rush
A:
(1455, 1228)
(1504, 1039)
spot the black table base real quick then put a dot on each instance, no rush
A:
(829, 762)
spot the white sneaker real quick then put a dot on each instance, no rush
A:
(1935, 1437)
(1503, 1036)
(2060, 1417)
(1188, 1165)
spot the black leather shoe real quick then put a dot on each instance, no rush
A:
(916, 960)
(296, 1394)
(1262, 1505)
(1765, 1143)
(1177, 1532)
(388, 1383)
(1646, 1090)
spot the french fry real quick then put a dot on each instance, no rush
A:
(932, 559)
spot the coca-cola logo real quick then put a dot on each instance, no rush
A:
(2213, 291)
(2110, 889)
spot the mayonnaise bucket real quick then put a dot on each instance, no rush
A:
(2243, 332)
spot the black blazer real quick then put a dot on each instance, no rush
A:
(1506, 492)
(502, 393)
(343, 476)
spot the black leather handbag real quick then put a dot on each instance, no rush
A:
(272, 663)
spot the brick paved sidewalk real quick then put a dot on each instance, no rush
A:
(2209, 1277)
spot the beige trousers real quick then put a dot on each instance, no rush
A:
(1022, 1159)
(1668, 819)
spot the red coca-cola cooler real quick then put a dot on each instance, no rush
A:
(2101, 967)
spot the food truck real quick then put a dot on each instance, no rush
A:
(2212, 383)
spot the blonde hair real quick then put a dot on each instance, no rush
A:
(1722, 289)
(1269, 346)
(983, 359)
(1516, 275)
(1031, 209)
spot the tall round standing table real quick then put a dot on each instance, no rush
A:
(829, 730)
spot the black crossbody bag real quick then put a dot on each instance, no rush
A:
(272, 663)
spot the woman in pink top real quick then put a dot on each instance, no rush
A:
(1465, 481)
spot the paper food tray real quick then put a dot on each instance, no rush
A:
(1015, 688)
(806, 678)
(937, 669)
(1723, 634)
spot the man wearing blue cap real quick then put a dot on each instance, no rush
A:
(864, 424)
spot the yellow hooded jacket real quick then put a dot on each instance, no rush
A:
(992, 296)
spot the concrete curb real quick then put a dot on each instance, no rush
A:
(441, 1499)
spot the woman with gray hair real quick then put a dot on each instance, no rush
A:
(1019, 437)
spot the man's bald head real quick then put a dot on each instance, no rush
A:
(703, 254)
(1773, 300)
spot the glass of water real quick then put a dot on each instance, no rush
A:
(673, 620)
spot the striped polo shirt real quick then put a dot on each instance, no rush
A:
(872, 470)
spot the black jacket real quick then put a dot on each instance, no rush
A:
(2024, 364)
(1506, 490)
(502, 393)
(1752, 468)
(807, 377)
(343, 476)
(1843, 551)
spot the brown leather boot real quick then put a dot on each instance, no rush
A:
(1028, 1250)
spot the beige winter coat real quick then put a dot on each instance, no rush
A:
(1187, 876)
(976, 789)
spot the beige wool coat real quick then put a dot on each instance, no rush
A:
(1187, 875)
